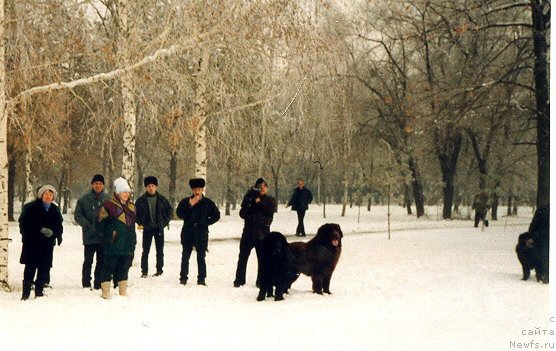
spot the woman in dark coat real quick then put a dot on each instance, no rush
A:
(40, 225)
(197, 212)
(117, 223)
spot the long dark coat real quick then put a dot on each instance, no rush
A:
(196, 220)
(37, 248)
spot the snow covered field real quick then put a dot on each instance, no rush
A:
(435, 285)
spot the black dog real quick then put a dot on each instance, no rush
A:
(529, 256)
(318, 257)
(275, 270)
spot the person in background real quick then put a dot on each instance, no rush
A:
(40, 225)
(86, 215)
(117, 224)
(197, 212)
(299, 201)
(154, 212)
(480, 205)
(257, 210)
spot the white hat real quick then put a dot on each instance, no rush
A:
(121, 186)
(44, 188)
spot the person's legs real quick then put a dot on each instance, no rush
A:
(185, 255)
(159, 244)
(147, 240)
(245, 247)
(88, 254)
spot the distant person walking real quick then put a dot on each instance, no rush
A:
(299, 201)
(40, 225)
(154, 212)
(86, 215)
(257, 210)
(481, 205)
(117, 223)
(197, 212)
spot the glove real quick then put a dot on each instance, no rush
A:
(47, 232)
(59, 239)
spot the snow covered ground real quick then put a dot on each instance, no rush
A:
(435, 285)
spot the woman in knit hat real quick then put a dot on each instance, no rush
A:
(40, 225)
(117, 223)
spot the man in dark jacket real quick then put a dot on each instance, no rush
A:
(154, 212)
(480, 205)
(197, 212)
(257, 209)
(86, 215)
(40, 225)
(300, 200)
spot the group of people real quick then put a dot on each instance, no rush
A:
(109, 223)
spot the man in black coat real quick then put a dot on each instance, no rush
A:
(197, 212)
(40, 225)
(257, 209)
(86, 215)
(300, 200)
(154, 212)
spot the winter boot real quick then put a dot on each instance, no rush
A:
(105, 286)
(26, 290)
(122, 287)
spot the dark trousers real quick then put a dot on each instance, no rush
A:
(89, 254)
(300, 226)
(148, 235)
(116, 266)
(43, 273)
(245, 247)
(479, 217)
(187, 248)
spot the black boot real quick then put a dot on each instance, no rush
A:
(26, 290)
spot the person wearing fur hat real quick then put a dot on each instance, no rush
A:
(117, 225)
(86, 215)
(257, 209)
(197, 212)
(154, 212)
(40, 225)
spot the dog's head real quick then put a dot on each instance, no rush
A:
(275, 244)
(330, 234)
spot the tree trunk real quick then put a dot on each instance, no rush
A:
(200, 116)
(173, 175)
(447, 150)
(509, 211)
(417, 186)
(11, 184)
(407, 198)
(4, 237)
(28, 193)
(129, 108)
(541, 26)
(495, 203)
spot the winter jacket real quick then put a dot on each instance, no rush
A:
(258, 216)
(163, 212)
(117, 224)
(37, 248)
(300, 200)
(86, 215)
(480, 203)
(196, 220)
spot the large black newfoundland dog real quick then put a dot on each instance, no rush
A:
(276, 270)
(533, 246)
(318, 257)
